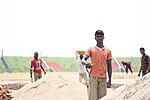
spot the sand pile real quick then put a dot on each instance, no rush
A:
(56, 86)
(137, 90)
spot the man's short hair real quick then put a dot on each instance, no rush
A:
(35, 53)
(99, 32)
(142, 49)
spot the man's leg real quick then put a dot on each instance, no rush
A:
(92, 88)
(80, 77)
(126, 70)
(85, 78)
(35, 76)
(130, 70)
(39, 75)
(102, 88)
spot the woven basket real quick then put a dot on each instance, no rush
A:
(80, 52)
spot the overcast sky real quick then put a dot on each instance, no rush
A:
(57, 28)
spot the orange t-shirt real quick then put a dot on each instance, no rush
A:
(99, 59)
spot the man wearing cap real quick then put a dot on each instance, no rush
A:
(101, 60)
(36, 66)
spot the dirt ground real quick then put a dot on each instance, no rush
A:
(57, 85)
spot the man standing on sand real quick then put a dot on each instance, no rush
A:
(127, 66)
(36, 66)
(81, 68)
(145, 63)
(101, 62)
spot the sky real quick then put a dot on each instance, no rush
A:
(57, 28)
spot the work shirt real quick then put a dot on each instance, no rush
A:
(81, 67)
(144, 62)
(99, 57)
(36, 65)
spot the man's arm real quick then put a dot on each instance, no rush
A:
(148, 69)
(43, 69)
(86, 57)
(140, 71)
(31, 70)
(124, 66)
(83, 62)
(88, 65)
(109, 70)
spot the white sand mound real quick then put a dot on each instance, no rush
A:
(138, 90)
(54, 87)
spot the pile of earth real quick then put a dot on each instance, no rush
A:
(135, 90)
(57, 86)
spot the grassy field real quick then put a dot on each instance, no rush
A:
(22, 64)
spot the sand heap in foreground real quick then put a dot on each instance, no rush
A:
(55, 87)
(138, 90)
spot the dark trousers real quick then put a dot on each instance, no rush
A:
(129, 69)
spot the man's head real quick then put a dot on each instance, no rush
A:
(99, 36)
(142, 50)
(122, 62)
(99, 32)
(81, 56)
(36, 55)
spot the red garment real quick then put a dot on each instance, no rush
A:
(37, 65)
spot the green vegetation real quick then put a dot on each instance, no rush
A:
(1, 67)
(22, 64)
(18, 64)
(68, 64)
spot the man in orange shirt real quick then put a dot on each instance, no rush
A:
(101, 61)
(36, 64)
